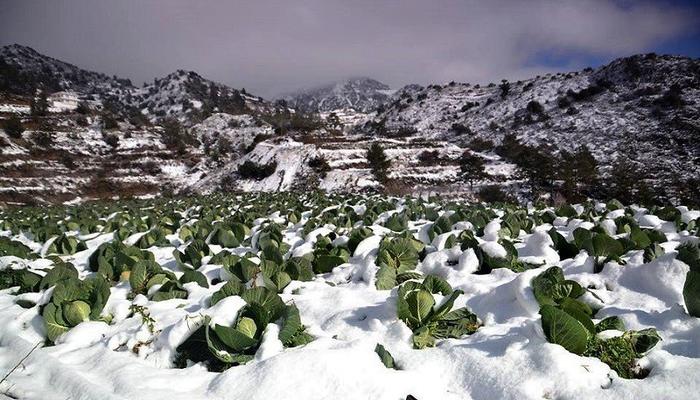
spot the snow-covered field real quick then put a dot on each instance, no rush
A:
(132, 347)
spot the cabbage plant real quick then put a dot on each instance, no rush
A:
(568, 322)
(66, 245)
(429, 321)
(690, 254)
(222, 346)
(74, 301)
(396, 256)
(114, 260)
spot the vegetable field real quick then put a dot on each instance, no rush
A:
(315, 296)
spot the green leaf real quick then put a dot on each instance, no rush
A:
(385, 356)
(224, 238)
(292, 331)
(446, 306)
(157, 279)
(234, 339)
(640, 239)
(545, 284)
(58, 273)
(54, 328)
(269, 300)
(420, 304)
(217, 347)
(456, 324)
(690, 254)
(562, 329)
(98, 293)
(406, 276)
(281, 280)
(606, 246)
(325, 263)
(231, 288)
(580, 311)
(403, 251)
(76, 312)
(247, 327)
(138, 277)
(609, 323)
(422, 338)
(643, 340)
(386, 278)
(435, 284)
(691, 293)
(191, 275)
(584, 240)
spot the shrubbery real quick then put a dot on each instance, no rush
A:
(320, 165)
(251, 170)
(13, 127)
(43, 138)
(494, 194)
(460, 129)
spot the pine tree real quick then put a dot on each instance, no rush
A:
(471, 167)
(539, 165)
(333, 122)
(39, 106)
(13, 127)
(579, 171)
(622, 182)
(505, 88)
(378, 162)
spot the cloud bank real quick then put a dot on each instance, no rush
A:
(270, 47)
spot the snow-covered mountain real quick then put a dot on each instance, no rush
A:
(360, 94)
(188, 96)
(643, 109)
(23, 69)
(184, 95)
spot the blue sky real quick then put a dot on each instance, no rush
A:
(686, 43)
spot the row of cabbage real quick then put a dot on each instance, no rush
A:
(256, 264)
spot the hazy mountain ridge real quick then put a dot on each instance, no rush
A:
(361, 94)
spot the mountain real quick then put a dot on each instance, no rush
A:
(360, 94)
(103, 137)
(22, 69)
(184, 95)
(187, 96)
(644, 109)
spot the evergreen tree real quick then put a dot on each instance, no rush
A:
(510, 147)
(579, 171)
(539, 166)
(39, 106)
(333, 122)
(13, 127)
(213, 95)
(471, 167)
(622, 183)
(378, 162)
(505, 88)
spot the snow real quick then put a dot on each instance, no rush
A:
(507, 358)
(14, 108)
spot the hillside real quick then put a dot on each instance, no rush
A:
(643, 109)
(102, 136)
